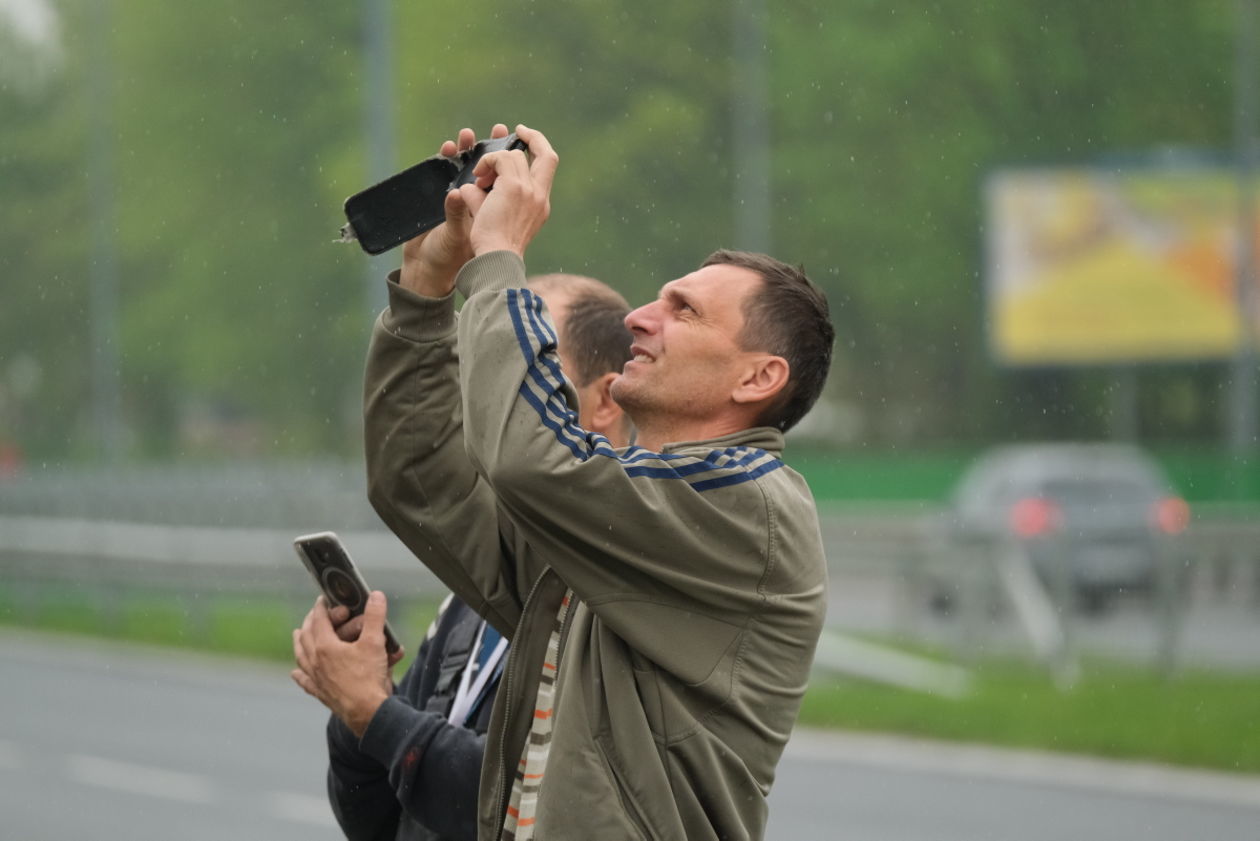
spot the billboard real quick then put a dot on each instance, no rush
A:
(1111, 266)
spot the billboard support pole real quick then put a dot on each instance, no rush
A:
(1123, 403)
(1242, 409)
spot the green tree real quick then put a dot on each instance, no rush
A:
(237, 133)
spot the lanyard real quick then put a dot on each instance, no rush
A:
(471, 689)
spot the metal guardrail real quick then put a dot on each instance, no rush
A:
(198, 533)
(255, 560)
(1221, 547)
(305, 496)
(1224, 552)
(313, 496)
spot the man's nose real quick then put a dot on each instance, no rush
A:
(640, 320)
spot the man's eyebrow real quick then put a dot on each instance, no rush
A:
(674, 296)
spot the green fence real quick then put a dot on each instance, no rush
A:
(1199, 475)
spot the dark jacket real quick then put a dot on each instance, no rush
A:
(414, 775)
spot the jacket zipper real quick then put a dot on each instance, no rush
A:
(628, 804)
(508, 671)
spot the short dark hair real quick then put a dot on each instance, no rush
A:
(788, 317)
(596, 336)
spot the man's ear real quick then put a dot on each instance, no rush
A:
(606, 415)
(762, 380)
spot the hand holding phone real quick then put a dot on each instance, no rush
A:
(409, 203)
(338, 578)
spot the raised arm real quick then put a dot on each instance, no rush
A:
(419, 478)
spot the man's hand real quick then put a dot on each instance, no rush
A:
(432, 260)
(349, 628)
(351, 678)
(510, 216)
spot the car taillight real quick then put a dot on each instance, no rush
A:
(1034, 517)
(1170, 515)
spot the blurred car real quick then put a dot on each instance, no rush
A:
(1100, 509)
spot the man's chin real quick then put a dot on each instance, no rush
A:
(622, 391)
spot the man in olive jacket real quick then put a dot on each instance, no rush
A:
(664, 600)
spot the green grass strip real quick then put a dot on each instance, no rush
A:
(1207, 719)
(249, 627)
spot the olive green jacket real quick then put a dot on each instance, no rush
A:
(699, 571)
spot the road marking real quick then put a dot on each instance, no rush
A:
(301, 808)
(9, 756)
(140, 779)
(1021, 766)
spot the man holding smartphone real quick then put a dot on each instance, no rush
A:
(440, 710)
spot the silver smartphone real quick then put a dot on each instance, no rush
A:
(338, 578)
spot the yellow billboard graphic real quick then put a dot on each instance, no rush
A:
(1093, 267)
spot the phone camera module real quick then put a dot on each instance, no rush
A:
(342, 588)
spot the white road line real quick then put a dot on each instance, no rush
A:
(140, 779)
(1035, 767)
(10, 758)
(301, 808)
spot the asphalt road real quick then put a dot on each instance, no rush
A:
(104, 742)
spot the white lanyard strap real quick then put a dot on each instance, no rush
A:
(470, 689)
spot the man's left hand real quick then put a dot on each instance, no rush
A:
(431, 261)
(350, 678)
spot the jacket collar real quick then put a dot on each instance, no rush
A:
(762, 437)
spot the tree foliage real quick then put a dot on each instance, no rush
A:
(235, 130)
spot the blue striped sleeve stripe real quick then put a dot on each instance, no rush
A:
(737, 478)
(541, 387)
(541, 390)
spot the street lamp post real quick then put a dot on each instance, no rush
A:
(102, 268)
(750, 138)
(378, 102)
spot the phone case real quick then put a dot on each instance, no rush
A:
(402, 206)
(328, 562)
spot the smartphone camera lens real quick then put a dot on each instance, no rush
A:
(342, 588)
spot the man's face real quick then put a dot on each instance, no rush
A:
(687, 358)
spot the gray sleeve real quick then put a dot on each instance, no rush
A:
(409, 764)
(433, 766)
(358, 789)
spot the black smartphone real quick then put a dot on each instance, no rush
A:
(411, 202)
(329, 564)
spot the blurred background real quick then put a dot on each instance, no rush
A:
(1036, 223)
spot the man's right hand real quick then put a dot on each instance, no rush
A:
(508, 218)
(349, 628)
(351, 679)
(432, 260)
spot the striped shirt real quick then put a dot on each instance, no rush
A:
(518, 824)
